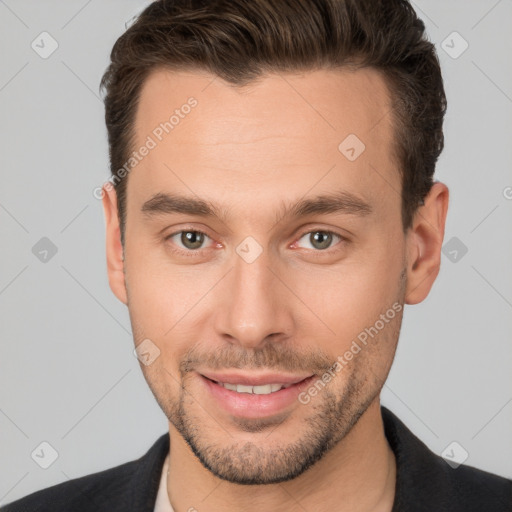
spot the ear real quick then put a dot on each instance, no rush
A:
(115, 258)
(424, 243)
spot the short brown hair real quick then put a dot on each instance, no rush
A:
(241, 40)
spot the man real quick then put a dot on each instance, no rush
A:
(271, 210)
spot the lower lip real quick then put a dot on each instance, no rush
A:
(250, 405)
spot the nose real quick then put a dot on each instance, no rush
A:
(254, 307)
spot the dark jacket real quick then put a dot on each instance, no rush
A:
(425, 482)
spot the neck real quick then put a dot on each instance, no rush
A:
(357, 475)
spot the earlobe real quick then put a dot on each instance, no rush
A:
(424, 243)
(115, 257)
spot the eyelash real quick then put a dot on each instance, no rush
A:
(192, 253)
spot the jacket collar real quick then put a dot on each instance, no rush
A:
(143, 487)
(424, 481)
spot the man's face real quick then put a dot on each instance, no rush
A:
(264, 291)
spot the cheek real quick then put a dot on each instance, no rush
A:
(349, 298)
(165, 305)
(157, 297)
(150, 304)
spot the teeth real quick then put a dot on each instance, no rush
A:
(243, 389)
(256, 390)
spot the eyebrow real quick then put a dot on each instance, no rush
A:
(341, 202)
(338, 202)
(161, 204)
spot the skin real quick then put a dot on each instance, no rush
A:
(296, 307)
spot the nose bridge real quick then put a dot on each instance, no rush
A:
(255, 308)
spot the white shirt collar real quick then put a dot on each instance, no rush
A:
(162, 503)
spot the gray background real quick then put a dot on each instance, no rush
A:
(68, 375)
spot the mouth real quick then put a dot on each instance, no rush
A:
(255, 397)
(265, 389)
(262, 389)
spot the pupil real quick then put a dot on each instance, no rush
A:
(316, 239)
(192, 239)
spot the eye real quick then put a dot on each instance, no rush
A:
(320, 239)
(190, 240)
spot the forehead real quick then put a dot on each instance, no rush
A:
(335, 101)
(284, 132)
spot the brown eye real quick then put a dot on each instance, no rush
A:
(320, 239)
(190, 240)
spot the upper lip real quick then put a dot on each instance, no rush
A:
(254, 380)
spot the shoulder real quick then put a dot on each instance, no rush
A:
(426, 482)
(79, 494)
(113, 489)
(476, 489)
